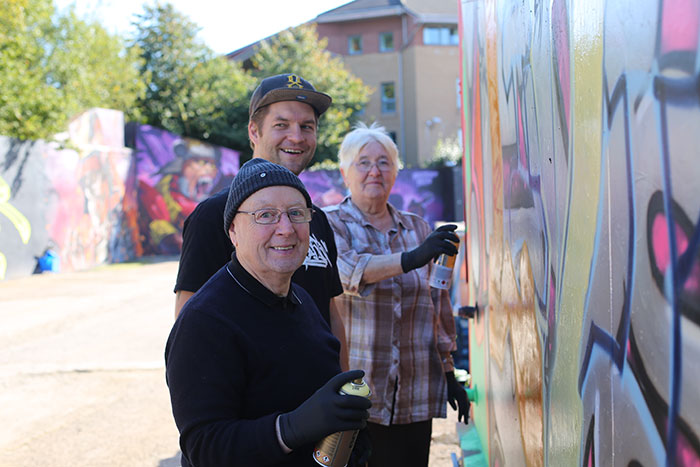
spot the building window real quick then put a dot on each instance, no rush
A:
(388, 98)
(355, 45)
(386, 42)
(440, 36)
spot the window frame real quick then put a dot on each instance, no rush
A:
(351, 51)
(388, 102)
(444, 35)
(382, 48)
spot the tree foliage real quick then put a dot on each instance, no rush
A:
(299, 50)
(55, 65)
(191, 92)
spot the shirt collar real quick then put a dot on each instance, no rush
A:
(251, 285)
(350, 212)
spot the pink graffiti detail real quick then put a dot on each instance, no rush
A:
(662, 254)
(680, 23)
(560, 31)
(685, 455)
(521, 133)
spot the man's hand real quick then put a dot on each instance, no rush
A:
(325, 412)
(438, 242)
(456, 392)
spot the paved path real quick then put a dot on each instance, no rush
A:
(82, 374)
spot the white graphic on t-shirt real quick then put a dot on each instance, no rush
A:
(317, 255)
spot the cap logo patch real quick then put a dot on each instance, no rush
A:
(294, 82)
(262, 174)
(301, 98)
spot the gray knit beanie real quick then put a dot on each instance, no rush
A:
(255, 175)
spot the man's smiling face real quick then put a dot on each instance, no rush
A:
(287, 135)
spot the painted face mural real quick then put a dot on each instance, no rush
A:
(172, 175)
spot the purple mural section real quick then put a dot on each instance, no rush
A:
(430, 193)
(169, 176)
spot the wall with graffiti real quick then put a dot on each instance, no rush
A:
(426, 192)
(64, 200)
(101, 201)
(169, 176)
(581, 129)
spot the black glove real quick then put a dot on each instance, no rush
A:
(433, 246)
(362, 450)
(325, 412)
(456, 391)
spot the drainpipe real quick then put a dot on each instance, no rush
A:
(402, 120)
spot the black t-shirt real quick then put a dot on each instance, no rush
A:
(206, 248)
(238, 356)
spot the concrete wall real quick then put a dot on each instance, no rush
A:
(101, 202)
(581, 124)
(67, 199)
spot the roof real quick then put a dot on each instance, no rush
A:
(362, 9)
(425, 11)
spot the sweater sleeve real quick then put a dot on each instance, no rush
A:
(206, 378)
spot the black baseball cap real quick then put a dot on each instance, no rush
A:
(288, 87)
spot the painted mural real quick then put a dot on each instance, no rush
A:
(101, 201)
(581, 129)
(170, 175)
(67, 201)
(426, 192)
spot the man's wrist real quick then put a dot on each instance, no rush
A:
(281, 442)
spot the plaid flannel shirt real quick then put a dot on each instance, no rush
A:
(400, 331)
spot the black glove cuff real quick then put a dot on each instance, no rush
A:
(407, 261)
(287, 432)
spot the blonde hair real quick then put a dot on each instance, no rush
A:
(359, 137)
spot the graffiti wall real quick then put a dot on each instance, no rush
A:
(426, 192)
(66, 200)
(169, 176)
(101, 201)
(581, 129)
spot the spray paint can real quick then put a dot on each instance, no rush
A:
(334, 450)
(441, 275)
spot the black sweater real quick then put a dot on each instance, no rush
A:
(236, 358)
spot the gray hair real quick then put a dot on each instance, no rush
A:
(362, 135)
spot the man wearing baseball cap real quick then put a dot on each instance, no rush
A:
(282, 128)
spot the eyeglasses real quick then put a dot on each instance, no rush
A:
(269, 216)
(382, 165)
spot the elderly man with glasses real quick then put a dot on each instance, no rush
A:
(251, 365)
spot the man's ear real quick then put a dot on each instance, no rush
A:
(232, 234)
(253, 132)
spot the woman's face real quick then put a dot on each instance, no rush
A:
(371, 175)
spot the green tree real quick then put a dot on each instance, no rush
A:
(299, 50)
(54, 65)
(191, 91)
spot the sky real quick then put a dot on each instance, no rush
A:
(226, 25)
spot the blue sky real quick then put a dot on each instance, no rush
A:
(226, 25)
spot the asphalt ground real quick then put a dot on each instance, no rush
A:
(82, 372)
